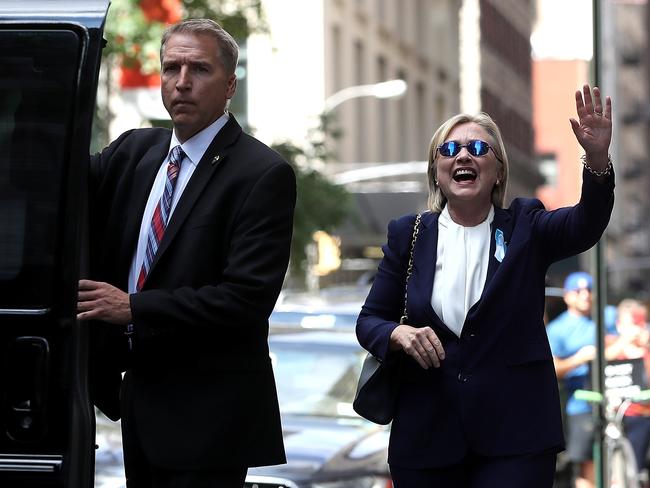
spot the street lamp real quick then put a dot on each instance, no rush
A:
(385, 89)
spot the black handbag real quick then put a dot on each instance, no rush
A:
(378, 385)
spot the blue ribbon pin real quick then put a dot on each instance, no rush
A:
(500, 252)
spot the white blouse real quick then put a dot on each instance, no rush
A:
(461, 268)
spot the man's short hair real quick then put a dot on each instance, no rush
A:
(228, 48)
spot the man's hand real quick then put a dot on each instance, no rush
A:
(101, 301)
(582, 356)
(420, 343)
(585, 354)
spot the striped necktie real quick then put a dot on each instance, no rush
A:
(161, 214)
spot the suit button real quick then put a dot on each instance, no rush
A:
(470, 336)
(463, 378)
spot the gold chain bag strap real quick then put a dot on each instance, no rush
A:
(377, 388)
(416, 228)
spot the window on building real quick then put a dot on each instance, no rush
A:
(421, 14)
(548, 168)
(440, 109)
(381, 12)
(360, 108)
(336, 59)
(403, 148)
(422, 107)
(382, 75)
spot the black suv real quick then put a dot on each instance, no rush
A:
(49, 64)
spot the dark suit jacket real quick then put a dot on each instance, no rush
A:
(202, 392)
(496, 392)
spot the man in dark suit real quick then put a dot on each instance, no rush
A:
(190, 232)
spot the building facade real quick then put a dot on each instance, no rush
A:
(316, 49)
(564, 63)
(455, 55)
(337, 44)
(558, 153)
(496, 78)
(627, 65)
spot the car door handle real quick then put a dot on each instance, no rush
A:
(27, 388)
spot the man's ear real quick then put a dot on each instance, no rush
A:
(231, 87)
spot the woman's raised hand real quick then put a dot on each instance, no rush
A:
(593, 129)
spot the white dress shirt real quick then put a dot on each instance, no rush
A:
(462, 260)
(194, 149)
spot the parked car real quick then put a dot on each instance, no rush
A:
(327, 444)
(335, 308)
(294, 317)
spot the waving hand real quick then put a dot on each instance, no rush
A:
(593, 129)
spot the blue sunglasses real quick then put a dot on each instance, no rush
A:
(475, 147)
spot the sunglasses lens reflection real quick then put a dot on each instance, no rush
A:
(450, 148)
(475, 148)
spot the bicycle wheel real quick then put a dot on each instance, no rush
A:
(622, 465)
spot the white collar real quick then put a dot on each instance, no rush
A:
(446, 221)
(195, 147)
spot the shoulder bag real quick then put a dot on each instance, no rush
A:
(377, 389)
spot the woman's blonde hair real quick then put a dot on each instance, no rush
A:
(437, 200)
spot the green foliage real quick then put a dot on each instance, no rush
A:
(321, 204)
(131, 37)
(136, 40)
(240, 18)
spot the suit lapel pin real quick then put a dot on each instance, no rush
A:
(215, 159)
(500, 252)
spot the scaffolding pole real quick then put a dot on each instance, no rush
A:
(600, 289)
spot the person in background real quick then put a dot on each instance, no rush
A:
(572, 337)
(190, 231)
(632, 342)
(478, 403)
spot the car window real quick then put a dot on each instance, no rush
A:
(313, 320)
(316, 381)
(37, 98)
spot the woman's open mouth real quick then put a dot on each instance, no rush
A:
(464, 174)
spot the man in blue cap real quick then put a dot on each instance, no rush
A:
(572, 336)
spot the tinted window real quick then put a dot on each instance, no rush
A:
(37, 90)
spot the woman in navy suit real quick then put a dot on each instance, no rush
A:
(478, 402)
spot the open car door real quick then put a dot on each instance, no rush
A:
(49, 63)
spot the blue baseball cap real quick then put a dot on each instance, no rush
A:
(578, 280)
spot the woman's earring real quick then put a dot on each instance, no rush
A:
(498, 182)
(436, 182)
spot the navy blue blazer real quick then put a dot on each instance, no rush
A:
(496, 392)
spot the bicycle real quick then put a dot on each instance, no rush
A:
(621, 467)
